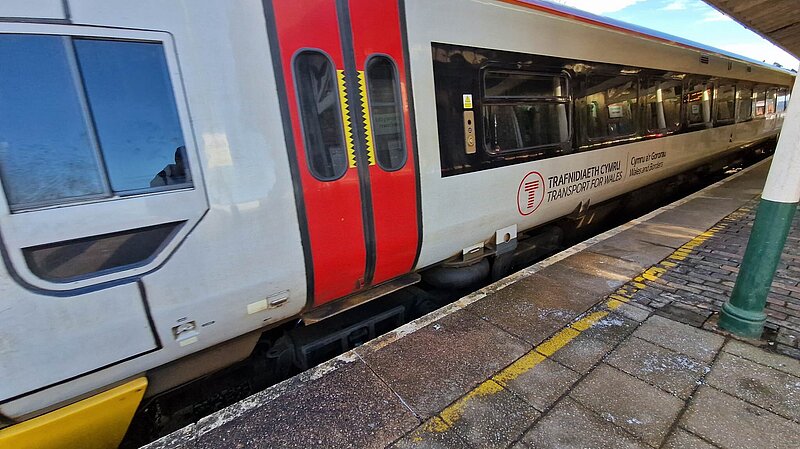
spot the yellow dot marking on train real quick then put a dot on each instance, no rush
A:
(448, 417)
(362, 87)
(346, 123)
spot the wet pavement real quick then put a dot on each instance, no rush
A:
(601, 346)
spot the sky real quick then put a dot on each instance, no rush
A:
(689, 19)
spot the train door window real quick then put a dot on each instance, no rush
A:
(82, 119)
(698, 99)
(606, 108)
(760, 104)
(320, 114)
(725, 104)
(662, 105)
(385, 111)
(744, 103)
(772, 96)
(525, 111)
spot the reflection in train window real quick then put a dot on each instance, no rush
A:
(760, 105)
(318, 94)
(385, 113)
(744, 103)
(97, 255)
(726, 104)
(662, 105)
(698, 100)
(129, 93)
(772, 95)
(606, 108)
(781, 100)
(83, 119)
(525, 112)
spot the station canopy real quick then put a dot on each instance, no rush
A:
(776, 20)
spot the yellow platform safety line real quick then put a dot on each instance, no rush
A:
(362, 87)
(447, 418)
(346, 123)
(98, 422)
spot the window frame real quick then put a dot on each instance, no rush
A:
(399, 109)
(302, 122)
(63, 222)
(717, 86)
(710, 85)
(566, 100)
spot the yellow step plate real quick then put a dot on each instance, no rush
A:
(98, 422)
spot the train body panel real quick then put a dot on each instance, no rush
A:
(240, 230)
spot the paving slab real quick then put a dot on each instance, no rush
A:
(571, 426)
(777, 361)
(771, 389)
(628, 402)
(635, 246)
(534, 307)
(433, 434)
(698, 213)
(593, 272)
(593, 344)
(544, 384)
(699, 344)
(441, 362)
(487, 421)
(671, 371)
(669, 235)
(681, 439)
(735, 424)
(349, 407)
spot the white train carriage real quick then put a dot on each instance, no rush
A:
(178, 176)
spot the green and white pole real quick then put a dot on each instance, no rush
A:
(744, 313)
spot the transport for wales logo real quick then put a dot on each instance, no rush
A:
(530, 194)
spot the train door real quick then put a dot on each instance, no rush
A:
(341, 65)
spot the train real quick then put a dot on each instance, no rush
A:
(179, 177)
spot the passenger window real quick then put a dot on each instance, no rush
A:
(128, 90)
(525, 111)
(385, 110)
(771, 99)
(781, 101)
(606, 109)
(760, 104)
(744, 103)
(726, 104)
(67, 104)
(663, 105)
(698, 101)
(320, 111)
(47, 153)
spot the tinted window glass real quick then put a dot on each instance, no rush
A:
(515, 127)
(130, 95)
(321, 115)
(46, 150)
(744, 107)
(525, 111)
(726, 103)
(606, 109)
(518, 84)
(100, 254)
(385, 113)
(760, 104)
(781, 102)
(771, 99)
(698, 103)
(663, 105)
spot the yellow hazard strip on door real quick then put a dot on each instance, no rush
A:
(362, 87)
(348, 126)
(97, 422)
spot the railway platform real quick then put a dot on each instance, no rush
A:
(610, 344)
